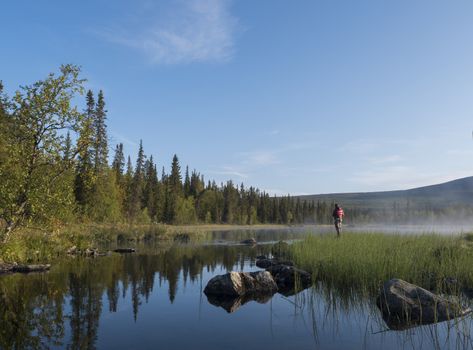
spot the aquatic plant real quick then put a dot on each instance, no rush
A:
(362, 261)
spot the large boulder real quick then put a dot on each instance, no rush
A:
(290, 279)
(235, 284)
(404, 305)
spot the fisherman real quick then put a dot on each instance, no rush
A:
(338, 215)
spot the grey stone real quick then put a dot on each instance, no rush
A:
(404, 305)
(235, 284)
(72, 250)
(290, 279)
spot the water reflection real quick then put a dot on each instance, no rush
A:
(154, 299)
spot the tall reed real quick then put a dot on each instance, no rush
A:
(362, 261)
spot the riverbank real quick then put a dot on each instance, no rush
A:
(34, 245)
(361, 262)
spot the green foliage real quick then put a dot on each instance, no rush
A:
(105, 201)
(33, 184)
(185, 211)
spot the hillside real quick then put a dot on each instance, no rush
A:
(443, 195)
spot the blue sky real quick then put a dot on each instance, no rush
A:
(293, 97)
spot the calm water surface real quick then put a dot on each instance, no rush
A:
(153, 299)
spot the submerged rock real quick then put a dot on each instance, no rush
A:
(405, 305)
(290, 279)
(237, 284)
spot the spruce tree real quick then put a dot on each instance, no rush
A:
(85, 179)
(137, 185)
(118, 163)
(100, 135)
(187, 183)
(173, 191)
(67, 155)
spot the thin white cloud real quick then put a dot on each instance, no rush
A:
(123, 139)
(261, 158)
(194, 31)
(265, 157)
(229, 171)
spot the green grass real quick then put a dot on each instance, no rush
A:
(33, 245)
(361, 262)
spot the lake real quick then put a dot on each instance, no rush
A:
(154, 299)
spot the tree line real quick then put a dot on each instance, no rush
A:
(54, 168)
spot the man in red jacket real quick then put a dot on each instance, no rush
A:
(338, 215)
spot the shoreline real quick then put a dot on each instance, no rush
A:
(33, 245)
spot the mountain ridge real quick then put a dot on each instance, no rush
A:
(454, 192)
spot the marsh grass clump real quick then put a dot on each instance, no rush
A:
(363, 261)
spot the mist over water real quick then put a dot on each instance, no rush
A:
(437, 228)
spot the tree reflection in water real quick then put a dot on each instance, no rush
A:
(32, 306)
(63, 308)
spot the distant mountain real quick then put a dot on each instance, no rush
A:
(435, 196)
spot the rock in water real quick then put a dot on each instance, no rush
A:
(124, 250)
(72, 250)
(31, 268)
(290, 279)
(11, 268)
(249, 241)
(234, 284)
(404, 305)
(265, 263)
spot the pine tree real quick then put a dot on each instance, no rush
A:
(100, 136)
(137, 185)
(175, 178)
(173, 191)
(85, 179)
(67, 156)
(128, 188)
(187, 183)
(150, 188)
(118, 161)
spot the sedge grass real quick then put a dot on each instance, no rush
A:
(363, 261)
